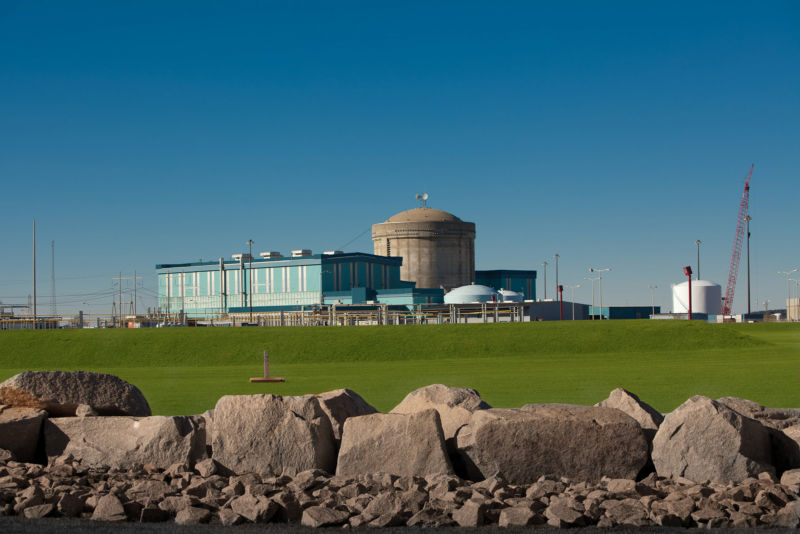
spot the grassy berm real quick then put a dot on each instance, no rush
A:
(185, 370)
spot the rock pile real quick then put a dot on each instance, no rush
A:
(441, 457)
(185, 495)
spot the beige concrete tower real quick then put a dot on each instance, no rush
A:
(438, 248)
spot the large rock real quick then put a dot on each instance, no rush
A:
(268, 434)
(647, 417)
(705, 440)
(778, 418)
(582, 443)
(341, 404)
(400, 444)
(455, 405)
(61, 392)
(19, 431)
(124, 442)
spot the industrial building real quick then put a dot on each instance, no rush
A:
(273, 282)
(438, 248)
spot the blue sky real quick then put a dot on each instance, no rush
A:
(613, 133)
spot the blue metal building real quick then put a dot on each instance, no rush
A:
(273, 282)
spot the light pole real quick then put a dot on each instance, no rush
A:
(544, 264)
(652, 299)
(591, 280)
(698, 258)
(572, 292)
(556, 256)
(748, 219)
(600, 285)
(250, 279)
(788, 294)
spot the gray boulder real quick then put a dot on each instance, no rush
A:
(268, 434)
(705, 440)
(19, 431)
(124, 442)
(778, 418)
(400, 444)
(455, 405)
(579, 442)
(61, 392)
(647, 417)
(341, 404)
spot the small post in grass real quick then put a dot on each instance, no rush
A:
(266, 377)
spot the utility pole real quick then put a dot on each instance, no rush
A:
(250, 279)
(34, 273)
(556, 256)
(544, 264)
(698, 259)
(652, 300)
(53, 278)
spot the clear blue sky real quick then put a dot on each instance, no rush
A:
(613, 133)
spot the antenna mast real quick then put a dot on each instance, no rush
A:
(744, 205)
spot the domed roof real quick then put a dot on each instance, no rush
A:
(424, 215)
(470, 293)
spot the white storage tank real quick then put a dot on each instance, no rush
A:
(471, 294)
(706, 297)
(506, 295)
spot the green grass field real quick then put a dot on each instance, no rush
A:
(185, 370)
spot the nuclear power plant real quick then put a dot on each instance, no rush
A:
(438, 248)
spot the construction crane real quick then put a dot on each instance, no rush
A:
(727, 304)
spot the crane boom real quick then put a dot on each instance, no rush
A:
(744, 205)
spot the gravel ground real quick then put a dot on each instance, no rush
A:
(14, 525)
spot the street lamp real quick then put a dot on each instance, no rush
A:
(652, 300)
(592, 280)
(698, 258)
(788, 295)
(544, 264)
(600, 285)
(250, 279)
(573, 288)
(748, 219)
(556, 256)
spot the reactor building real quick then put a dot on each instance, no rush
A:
(438, 248)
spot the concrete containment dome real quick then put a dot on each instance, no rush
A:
(706, 297)
(423, 214)
(438, 248)
(470, 294)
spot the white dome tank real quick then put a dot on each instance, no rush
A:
(469, 294)
(506, 295)
(706, 297)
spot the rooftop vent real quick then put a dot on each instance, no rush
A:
(239, 257)
(299, 253)
(332, 252)
(271, 255)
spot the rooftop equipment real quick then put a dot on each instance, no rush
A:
(271, 255)
(301, 252)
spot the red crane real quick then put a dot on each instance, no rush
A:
(727, 303)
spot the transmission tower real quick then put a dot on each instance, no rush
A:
(727, 305)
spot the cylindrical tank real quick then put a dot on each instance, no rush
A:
(471, 294)
(438, 248)
(706, 297)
